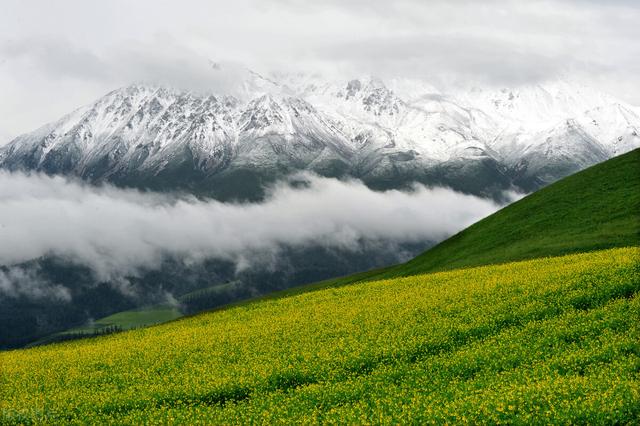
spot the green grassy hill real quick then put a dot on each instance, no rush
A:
(595, 209)
(545, 340)
(135, 318)
(125, 320)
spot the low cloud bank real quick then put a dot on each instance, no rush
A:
(18, 281)
(116, 232)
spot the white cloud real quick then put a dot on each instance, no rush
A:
(115, 232)
(18, 281)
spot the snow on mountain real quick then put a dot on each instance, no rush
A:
(386, 133)
(555, 128)
(615, 124)
(533, 107)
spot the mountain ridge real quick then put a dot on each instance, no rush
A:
(479, 141)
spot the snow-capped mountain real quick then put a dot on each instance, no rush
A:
(386, 133)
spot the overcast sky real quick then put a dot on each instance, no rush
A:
(58, 55)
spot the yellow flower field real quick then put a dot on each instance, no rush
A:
(552, 340)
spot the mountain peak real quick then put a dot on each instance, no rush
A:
(399, 131)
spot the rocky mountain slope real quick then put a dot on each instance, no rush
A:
(388, 134)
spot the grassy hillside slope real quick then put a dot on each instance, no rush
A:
(542, 341)
(594, 209)
(124, 320)
(133, 318)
